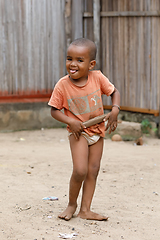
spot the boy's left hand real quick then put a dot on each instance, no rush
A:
(112, 120)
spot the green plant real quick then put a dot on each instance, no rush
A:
(146, 126)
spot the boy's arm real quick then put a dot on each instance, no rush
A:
(112, 120)
(75, 125)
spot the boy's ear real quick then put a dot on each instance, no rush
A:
(92, 64)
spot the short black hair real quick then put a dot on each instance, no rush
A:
(87, 43)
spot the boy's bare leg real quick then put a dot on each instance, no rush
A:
(79, 150)
(95, 154)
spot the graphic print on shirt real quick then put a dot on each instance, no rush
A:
(85, 104)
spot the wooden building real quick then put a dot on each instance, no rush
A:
(34, 35)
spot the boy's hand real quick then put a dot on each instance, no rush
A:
(112, 120)
(76, 128)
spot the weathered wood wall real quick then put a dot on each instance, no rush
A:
(32, 45)
(130, 48)
(34, 35)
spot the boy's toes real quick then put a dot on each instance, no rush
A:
(68, 213)
(65, 217)
(89, 215)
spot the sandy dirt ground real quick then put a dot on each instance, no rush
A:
(37, 164)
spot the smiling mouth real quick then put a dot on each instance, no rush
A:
(73, 71)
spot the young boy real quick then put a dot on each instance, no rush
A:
(79, 94)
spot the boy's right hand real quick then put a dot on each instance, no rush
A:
(76, 128)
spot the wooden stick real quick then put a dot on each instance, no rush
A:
(95, 120)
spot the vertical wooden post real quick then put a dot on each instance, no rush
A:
(159, 126)
(158, 76)
(96, 27)
(77, 19)
(159, 104)
(68, 22)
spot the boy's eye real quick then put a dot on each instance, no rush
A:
(69, 59)
(80, 60)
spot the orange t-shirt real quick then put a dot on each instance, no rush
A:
(83, 103)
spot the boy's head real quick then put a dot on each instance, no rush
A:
(80, 59)
(84, 42)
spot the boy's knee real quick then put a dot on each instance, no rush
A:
(94, 170)
(80, 174)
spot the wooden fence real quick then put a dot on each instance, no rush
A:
(129, 47)
(34, 35)
(32, 46)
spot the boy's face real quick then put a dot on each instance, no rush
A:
(78, 62)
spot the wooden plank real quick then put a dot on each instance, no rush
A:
(33, 95)
(121, 60)
(84, 19)
(147, 55)
(133, 38)
(25, 41)
(95, 120)
(25, 100)
(87, 22)
(106, 68)
(20, 50)
(87, 14)
(154, 47)
(6, 85)
(10, 47)
(105, 50)
(62, 41)
(67, 15)
(28, 48)
(158, 72)
(126, 63)
(135, 109)
(131, 14)
(140, 59)
(115, 76)
(77, 24)
(54, 54)
(104, 42)
(125, 14)
(42, 29)
(44, 51)
(49, 45)
(130, 61)
(36, 46)
(110, 46)
(96, 29)
(1, 46)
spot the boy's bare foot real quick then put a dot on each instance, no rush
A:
(68, 213)
(89, 215)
